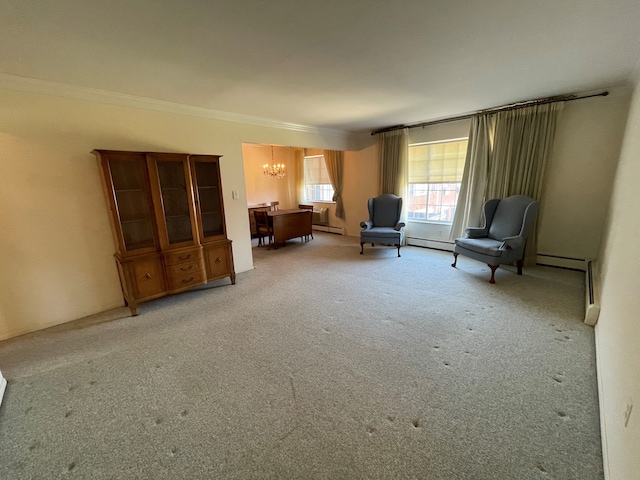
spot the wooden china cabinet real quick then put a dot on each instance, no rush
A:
(167, 219)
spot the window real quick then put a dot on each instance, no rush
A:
(317, 186)
(435, 174)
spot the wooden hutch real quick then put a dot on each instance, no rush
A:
(167, 218)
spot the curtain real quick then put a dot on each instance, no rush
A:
(298, 160)
(474, 177)
(393, 150)
(523, 139)
(334, 160)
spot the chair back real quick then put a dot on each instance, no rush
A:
(385, 210)
(305, 207)
(513, 216)
(261, 218)
(275, 206)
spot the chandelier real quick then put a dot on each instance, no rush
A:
(274, 169)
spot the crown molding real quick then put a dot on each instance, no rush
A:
(46, 87)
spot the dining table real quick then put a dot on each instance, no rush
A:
(290, 223)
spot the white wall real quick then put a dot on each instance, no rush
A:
(56, 244)
(618, 328)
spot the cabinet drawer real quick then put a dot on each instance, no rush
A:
(147, 277)
(184, 268)
(186, 280)
(183, 256)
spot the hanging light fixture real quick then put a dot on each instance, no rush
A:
(274, 169)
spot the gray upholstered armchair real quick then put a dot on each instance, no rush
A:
(384, 225)
(503, 237)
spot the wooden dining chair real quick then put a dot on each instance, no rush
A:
(262, 227)
(275, 206)
(307, 207)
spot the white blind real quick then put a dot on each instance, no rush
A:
(315, 170)
(437, 162)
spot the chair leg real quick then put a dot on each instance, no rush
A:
(455, 259)
(361, 248)
(493, 271)
(398, 249)
(519, 265)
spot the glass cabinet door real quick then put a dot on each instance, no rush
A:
(209, 204)
(175, 193)
(132, 196)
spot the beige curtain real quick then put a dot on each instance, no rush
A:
(334, 160)
(474, 177)
(393, 149)
(523, 139)
(298, 160)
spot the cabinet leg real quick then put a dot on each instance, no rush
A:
(134, 310)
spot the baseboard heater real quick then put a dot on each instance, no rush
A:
(3, 386)
(433, 244)
(592, 296)
(320, 222)
(328, 228)
(562, 262)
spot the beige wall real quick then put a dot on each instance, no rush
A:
(264, 189)
(579, 177)
(360, 182)
(57, 250)
(618, 328)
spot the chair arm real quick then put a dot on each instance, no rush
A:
(399, 225)
(366, 225)
(476, 232)
(514, 242)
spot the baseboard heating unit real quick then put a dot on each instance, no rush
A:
(592, 296)
(3, 386)
(328, 228)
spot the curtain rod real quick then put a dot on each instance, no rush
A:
(511, 106)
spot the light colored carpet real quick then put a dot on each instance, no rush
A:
(320, 363)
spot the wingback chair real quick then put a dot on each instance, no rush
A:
(503, 237)
(384, 225)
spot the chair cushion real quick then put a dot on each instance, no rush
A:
(484, 246)
(388, 233)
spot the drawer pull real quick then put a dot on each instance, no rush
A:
(187, 280)
(184, 257)
(218, 260)
(148, 276)
(186, 269)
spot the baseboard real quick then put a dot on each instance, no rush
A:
(436, 244)
(564, 262)
(601, 403)
(3, 386)
(328, 228)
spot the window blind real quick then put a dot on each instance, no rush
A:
(437, 162)
(315, 171)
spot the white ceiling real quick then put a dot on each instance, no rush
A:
(351, 65)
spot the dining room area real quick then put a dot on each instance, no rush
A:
(275, 215)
